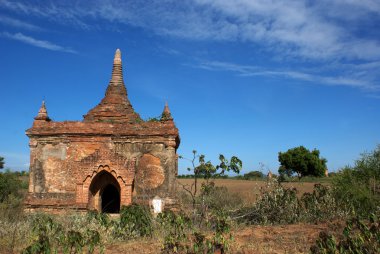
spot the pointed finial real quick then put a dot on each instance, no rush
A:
(117, 58)
(166, 115)
(42, 113)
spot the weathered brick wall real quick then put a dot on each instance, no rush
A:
(133, 155)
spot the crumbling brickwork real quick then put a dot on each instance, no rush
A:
(111, 158)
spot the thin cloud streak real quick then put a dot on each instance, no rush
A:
(309, 30)
(247, 71)
(18, 23)
(37, 43)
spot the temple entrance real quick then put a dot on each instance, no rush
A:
(104, 193)
(110, 199)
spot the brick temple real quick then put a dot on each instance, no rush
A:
(109, 159)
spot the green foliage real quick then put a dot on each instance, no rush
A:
(253, 175)
(153, 119)
(222, 236)
(48, 233)
(358, 237)
(9, 184)
(301, 161)
(1, 162)
(359, 186)
(101, 218)
(175, 227)
(52, 237)
(135, 220)
(321, 205)
(279, 205)
(206, 170)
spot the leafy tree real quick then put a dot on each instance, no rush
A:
(1, 162)
(301, 161)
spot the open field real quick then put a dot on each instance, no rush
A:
(250, 190)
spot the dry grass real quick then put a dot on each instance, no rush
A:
(250, 190)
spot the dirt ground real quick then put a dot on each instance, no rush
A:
(296, 238)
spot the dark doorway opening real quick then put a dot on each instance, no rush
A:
(110, 199)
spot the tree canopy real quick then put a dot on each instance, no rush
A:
(301, 161)
(1, 162)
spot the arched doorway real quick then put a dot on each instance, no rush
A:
(110, 199)
(104, 193)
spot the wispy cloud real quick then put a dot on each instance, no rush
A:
(18, 23)
(308, 29)
(246, 70)
(337, 37)
(37, 43)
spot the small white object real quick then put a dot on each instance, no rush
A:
(157, 204)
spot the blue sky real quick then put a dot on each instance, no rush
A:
(247, 77)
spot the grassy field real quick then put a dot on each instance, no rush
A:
(250, 190)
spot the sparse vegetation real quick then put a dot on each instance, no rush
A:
(210, 213)
(359, 186)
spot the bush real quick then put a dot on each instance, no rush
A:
(358, 237)
(135, 220)
(359, 186)
(51, 236)
(9, 185)
(220, 199)
(253, 175)
(175, 228)
(279, 205)
(276, 205)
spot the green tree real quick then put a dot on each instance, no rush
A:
(301, 161)
(1, 162)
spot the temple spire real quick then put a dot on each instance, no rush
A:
(117, 70)
(42, 113)
(116, 92)
(115, 106)
(166, 115)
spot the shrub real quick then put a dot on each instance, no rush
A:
(321, 205)
(359, 186)
(175, 228)
(9, 184)
(220, 199)
(279, 205)
(276, 205)
(135, 220)
(358, 237)
(51, 236)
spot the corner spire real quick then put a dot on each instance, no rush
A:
(166, 115)
(42, 113)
